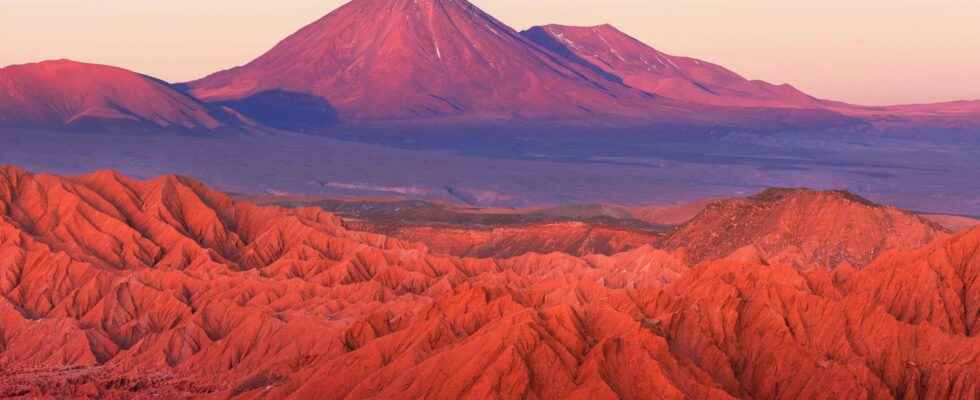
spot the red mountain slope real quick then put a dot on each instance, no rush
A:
(646, 68)
(801, 228)
(400, 59)
(67, 94)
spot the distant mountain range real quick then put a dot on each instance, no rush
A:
(638, 65)
(65, 94)
(405, 61)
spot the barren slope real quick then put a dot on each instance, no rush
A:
(575, 238)
(65, 94)
(103, 276)
(802, 228)
(608, 49)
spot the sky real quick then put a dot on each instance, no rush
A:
(861, 51)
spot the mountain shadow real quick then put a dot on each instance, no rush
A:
(544, 39)
(281, 109)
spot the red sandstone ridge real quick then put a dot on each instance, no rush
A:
(955, 223)
(643, 67)
(67, 94)
(104, 278)
(116, 288)
(801, 228)
(575, 238)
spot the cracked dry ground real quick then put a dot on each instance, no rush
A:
(118, 288)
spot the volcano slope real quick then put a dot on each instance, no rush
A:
(646, 68)
(406, 59)
(117, 288)
(448, 65)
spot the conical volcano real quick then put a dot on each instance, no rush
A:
(408, 59)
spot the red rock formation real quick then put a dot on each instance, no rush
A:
(575, 238)
(673, 214)
(104, 278)
(116, 288)
(955, 223)
(802, 228)
(949, 269)
(67, 94)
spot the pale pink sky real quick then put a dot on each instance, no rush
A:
(862, 51)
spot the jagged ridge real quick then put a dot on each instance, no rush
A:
(117, 287)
